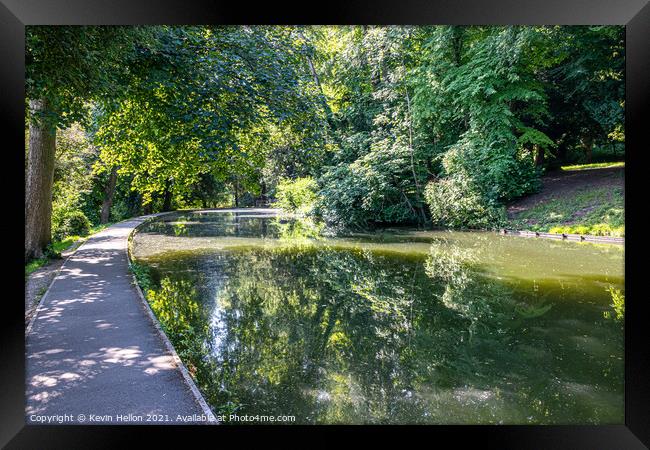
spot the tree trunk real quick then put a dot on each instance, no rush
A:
(457, 44)
(167, 199)
(38, 185)
(263, 194)
(539, 155)
(147, 208)
(562, 151)
(109, 191)
(411, 151)
(314, 75)
(418, 190)
(589, 144)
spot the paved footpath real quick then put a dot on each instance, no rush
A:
(92, 349)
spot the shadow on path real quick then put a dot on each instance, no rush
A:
(92, 350)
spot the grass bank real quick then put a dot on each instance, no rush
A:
(55, 249)
(586, 199)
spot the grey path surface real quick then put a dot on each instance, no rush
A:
(93, 351)
(38, 282)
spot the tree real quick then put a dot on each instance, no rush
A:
(378, 170)
(200, 102)
(414, 104)
(586, 88)
(109, 192)
(390, 121)
(66, 68)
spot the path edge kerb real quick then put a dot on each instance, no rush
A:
(207, 411)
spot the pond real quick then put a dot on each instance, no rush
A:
(398, 326)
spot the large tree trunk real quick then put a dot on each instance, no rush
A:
(38, 184)
(109, 191)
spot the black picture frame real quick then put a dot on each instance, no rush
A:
(634, 14)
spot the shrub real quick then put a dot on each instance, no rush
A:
(343, 200)
(366, 193)
(69, 223)
(456, 202)
(296, 196)
(479, 177)
(500, 174)
(77, 223)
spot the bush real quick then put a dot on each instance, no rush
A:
(69, 223)
(296, 196)
(369, 192)
(343, 200)
(457, 203)
(499, 174)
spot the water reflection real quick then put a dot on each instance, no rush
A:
(389, 328)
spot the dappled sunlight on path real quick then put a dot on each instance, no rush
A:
(92, 349)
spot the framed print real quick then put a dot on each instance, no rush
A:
(389, 218)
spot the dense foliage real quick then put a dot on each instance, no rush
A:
(297, 195)
(464, 111)
(437, 125)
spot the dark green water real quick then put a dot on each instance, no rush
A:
(392, 327)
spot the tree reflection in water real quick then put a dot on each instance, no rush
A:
(335, 335)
